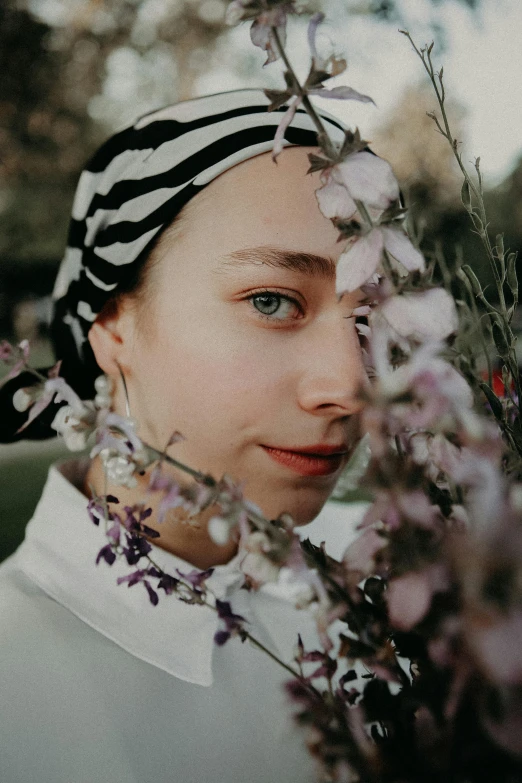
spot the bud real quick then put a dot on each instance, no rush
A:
(512, 273)
(473, 279)
(22, 400)
(496, 405)
(500, 245)
(219, 530)
(499, 336)
(465, 195)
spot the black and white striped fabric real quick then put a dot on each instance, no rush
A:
(134, 186)
(130, 190)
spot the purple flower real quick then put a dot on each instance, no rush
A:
(106, 553)
(233, 623)
(171, 490)
(409, 596)
(134, 578)
(139, 576)
(95, 511)
(137, 547)
(361, 553)
(168, 583)
(153, 596)
(196, 578)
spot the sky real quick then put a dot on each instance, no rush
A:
(482, 63)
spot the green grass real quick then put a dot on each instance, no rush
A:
(23, 471)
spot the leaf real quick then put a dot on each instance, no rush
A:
(499, 338)
(342, 93)
(465, 195)
(473, 279)
(338, 66)
(512, 274)
(496, 405)
(317, 163)
(353, 648)
(277, 97)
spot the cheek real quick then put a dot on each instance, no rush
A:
(217, 385)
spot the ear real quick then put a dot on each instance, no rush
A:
(111, 337)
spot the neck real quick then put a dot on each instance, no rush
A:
(188, 540)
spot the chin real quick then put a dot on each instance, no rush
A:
(302, 504)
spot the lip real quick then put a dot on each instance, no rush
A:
(319, 460)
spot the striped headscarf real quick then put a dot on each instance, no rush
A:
(135, 185)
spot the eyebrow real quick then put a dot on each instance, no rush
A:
(293, 260)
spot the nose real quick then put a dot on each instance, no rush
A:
(333, 370)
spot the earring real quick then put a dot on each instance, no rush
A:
(104, 386)
(125, 391)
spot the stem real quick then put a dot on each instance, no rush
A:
(274, 657)
(258, 520)
(302, 92)
(511, 362)
(203, 478)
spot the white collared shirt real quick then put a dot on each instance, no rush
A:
(98, 685)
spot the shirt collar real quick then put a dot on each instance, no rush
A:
(59, 553)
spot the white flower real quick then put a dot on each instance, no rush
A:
(367, 178)
(219, 530)
(22, 400)
(256, 564)
(259, 568)
(120, 469)
(427, 314)
(359, 262)
(363, 257)
(334, 200)
(71, 427)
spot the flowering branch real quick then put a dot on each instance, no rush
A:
(503, 265)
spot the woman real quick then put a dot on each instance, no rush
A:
(204, 276)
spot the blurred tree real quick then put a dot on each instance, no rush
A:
(431, 180)
(420, 156)
(70, 73)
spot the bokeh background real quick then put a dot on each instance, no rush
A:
(74, 71)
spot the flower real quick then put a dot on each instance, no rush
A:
(283, 125)
(409, 596)
(363, 256)
(106, 553)
(256, 564)
(120, 469)
(70, 427)
(361, 176)
(423, 315)
(233, 623)
(219, 530)
(360, 554)
(262, 35)
(22, 400)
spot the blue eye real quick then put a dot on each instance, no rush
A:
(274, 306)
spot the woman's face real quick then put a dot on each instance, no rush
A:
(243, 346)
